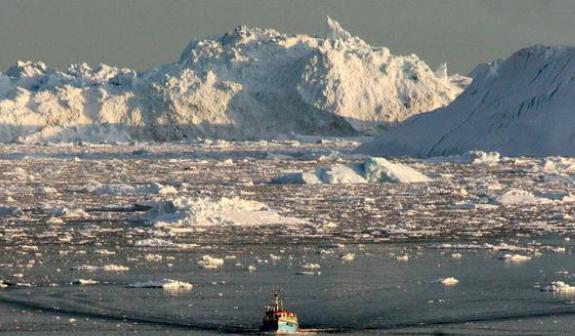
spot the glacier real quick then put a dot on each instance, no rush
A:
(250, 83)
(521, 106)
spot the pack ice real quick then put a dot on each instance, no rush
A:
(248, 83)
(522, 106)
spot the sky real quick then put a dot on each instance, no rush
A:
(140, 34)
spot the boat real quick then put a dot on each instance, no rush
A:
(279, 320)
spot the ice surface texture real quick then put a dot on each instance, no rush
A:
(248, 83)
(522, 106)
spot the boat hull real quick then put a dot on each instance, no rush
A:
(281, 327)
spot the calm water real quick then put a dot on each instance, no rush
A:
(372, 294)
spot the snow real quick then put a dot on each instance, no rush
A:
(373, 170)
(205, 212)
(522, 106)
(248, 83)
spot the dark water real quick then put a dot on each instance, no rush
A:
(372, 294)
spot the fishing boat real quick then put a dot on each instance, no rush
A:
(277, 319)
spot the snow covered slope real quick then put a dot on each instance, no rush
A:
(249, 83)
(524, 105)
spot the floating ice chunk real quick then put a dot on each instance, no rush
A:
(48, 190)
(154, 242)
(373, 170)
(297, 178)
(381, 170)
(278, 156)
(115, 268)
(518, 196)
(474, 157)
(559, 196)
(202, 212)
(10, 211)
(107, 268)
(311, 266)
(402, 258)
(165, 284)
(54, 221)
(515, 258)
(210, 262)
(559, 286)
(110, 189)
(6, 283)
(466, 205)
(349, 257)
(456, 256)
(450, 281)
(153, 257)
(105, 252)
(308, 273)
(84, 282)
(126, 189)
(340, 174)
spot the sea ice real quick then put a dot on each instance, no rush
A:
(373, 170)
(205, 212)
(165, 284)
(210, 262)
(450, 281)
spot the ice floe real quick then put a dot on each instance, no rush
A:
(450, 281)
(123, 189)
(515, 258)
(210, 262)
(560, 287)
(205, 212)
(373, 170)
(165, 284)
(10, 211)
(471, 157)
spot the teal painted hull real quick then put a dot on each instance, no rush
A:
(287, 327)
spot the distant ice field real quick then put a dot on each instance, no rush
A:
(190, 238)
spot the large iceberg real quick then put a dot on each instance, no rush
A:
(248, 83)
(522, 106)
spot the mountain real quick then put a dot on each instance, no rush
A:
(248, 83)
(523, 106)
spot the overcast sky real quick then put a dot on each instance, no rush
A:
(144, 33)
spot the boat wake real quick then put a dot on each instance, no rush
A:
(170, 322)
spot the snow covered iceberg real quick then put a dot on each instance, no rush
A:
(208, 212)
(373, 170)
(522, 106)
(248, 83)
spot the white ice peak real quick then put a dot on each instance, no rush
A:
(248, 83)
